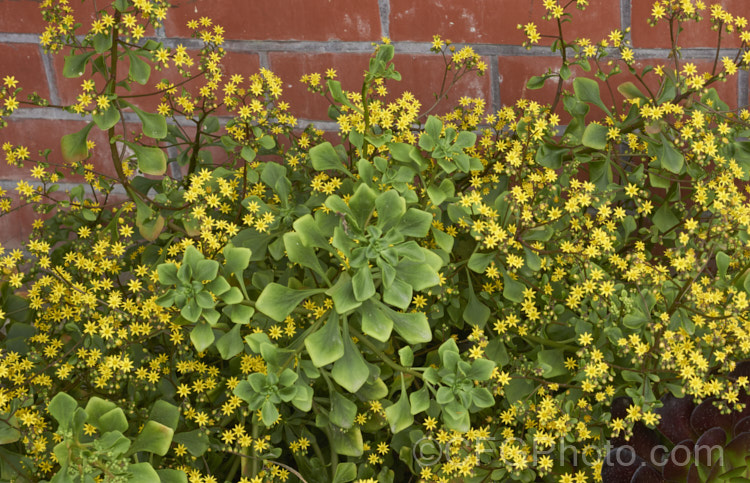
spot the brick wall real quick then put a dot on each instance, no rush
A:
(293, 37)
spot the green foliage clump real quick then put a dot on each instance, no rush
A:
(453, 297)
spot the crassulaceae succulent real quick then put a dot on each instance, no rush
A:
(694, 442)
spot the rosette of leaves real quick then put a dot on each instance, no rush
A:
(266, 391)
(196, 287)
(694, 442)
(448, 147)
(403, 266)
(455, 383)
(112, 451)
(384, 268)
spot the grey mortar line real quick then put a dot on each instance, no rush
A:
(625, 17)
(495, 83)
(49, 72)
(263, 60)
(384, 6)
(406, 47)
(742, 87)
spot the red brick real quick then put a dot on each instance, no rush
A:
(694, 34)
(515, 72)
(281, 19)
(70, 88)
(291, 66)
(421, 75)
(40, 134)
(21, 16)
(24, 62)
(15, 226)
(494, 22)
(25, 16)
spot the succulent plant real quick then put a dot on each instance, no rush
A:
(694, 442)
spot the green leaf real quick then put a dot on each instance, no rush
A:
(348, 442)
(362, 203)
(664, 218)
(536, 82)
(167, 274)
(278, 301)
(142, 473)
(154, 438)
(61, 407)
(73, 146)
(96, 407)
(9, 432)
(172, 476)
(343, 411)
(345, 472)
(151, 160)
(630, 91)
(433, 127)
(551, 362)
(550, 157)
(75, 65)
(374, 322)
(102, 42)
(268, 413)
(324, 157)
(326, 345)
(239, 314)
(391, 208)
(595, 136)
(230, 344)
(237, 259)
(351, 371)
(107, 119)
(456, 417)
(465, 139)
(406, 356)
(154, 124)
(362, 284)
(299, 253)
(274, 175)
(419, 400)
(202, 336)
(342, 294)
(113, 420)
(337, 93)
(309, 232)
(206, 270)
(165, 413)
(475, 313)
(587, 90)
(412, 326)
(512, 289)
(303, 397)
(195, 441)
(399, 415)
(478, 262)
(398, 294)
(248, 154)
(671, 159)
(267, 142)
(139, 70)
(722, 262)
(415, 223)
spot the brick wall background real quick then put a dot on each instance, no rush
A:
(293, 37)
